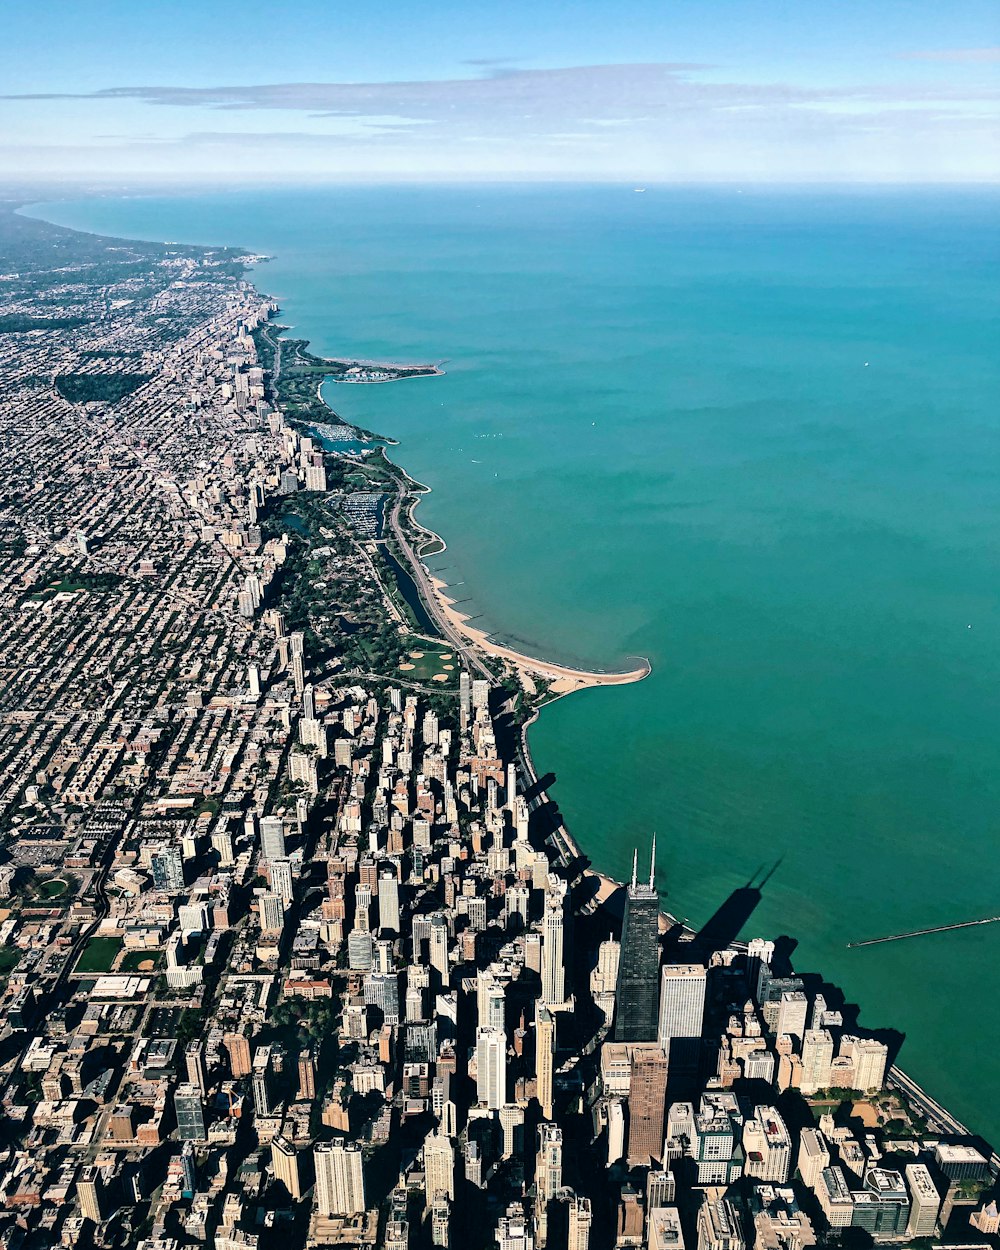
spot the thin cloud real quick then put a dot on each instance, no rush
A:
(564, 97)
(957, 56)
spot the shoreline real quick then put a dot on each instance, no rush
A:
(563, 678)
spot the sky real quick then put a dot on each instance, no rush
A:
(634, 90)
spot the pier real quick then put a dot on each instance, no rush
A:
(938, 928)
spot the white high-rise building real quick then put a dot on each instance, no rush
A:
(512, 1128)
(491, 1067)
(281, 879)
(439, 1167)
(767, 1147)
(616, 1130)
(604, 977)
(580, 1220)
(548, 1176)
(272, 913)
(381, 990)
(514, 1229)
(516, 901)
(759, 1065)
(272, 838)
(719, 1225)
(682, 1012)
(553, 943)
(817, 1056)
(925, 1201)
(340, 1182)
(511, 795)
(491, 1000)
(793, 1010)
(439, 945)
(869, 1058)
(388, 901)
(813, 1157)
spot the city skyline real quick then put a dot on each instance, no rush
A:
(299, 949)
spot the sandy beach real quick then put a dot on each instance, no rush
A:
(563, 679)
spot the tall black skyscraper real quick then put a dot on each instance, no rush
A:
(639, 967)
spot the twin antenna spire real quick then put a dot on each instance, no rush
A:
(652, 864)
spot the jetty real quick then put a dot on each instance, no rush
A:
(938, 928)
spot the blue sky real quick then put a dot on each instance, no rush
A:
(746, 90)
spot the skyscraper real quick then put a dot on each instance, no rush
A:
(272, 838)
(272, 913)
(869, 1058)
(285, 1161)
(639, 963)
(813, 1156)
(194, 1058)
(817, 1056)
(767, 1146)
(719, 1225)
(439, 944)
(682, 1011)
(90, 1191)
(491, 1067)
(262, 1081)
(793, 1011)
(512, 1129)
(548, 1175)
(580, 1219)
(439, 1167)
(490, 1000)
(340, 1182)
(925, 1201)
(388, 901)
(545, 1055)
(281, 879)
(647, 1105)
(548, 1164)
(238, 1046)
(553, 945)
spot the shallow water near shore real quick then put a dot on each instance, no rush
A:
(755, 438)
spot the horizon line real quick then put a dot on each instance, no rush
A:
(25, 182)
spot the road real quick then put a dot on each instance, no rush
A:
(276, 365)
(429, 596)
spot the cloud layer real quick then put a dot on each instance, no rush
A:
(669, 120)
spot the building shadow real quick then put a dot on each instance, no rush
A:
(732, 917)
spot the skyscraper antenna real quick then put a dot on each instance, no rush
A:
(652, 862)
(635, 865)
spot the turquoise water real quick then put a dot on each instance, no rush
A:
(755, 438)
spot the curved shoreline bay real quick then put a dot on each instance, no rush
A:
(754, 438)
